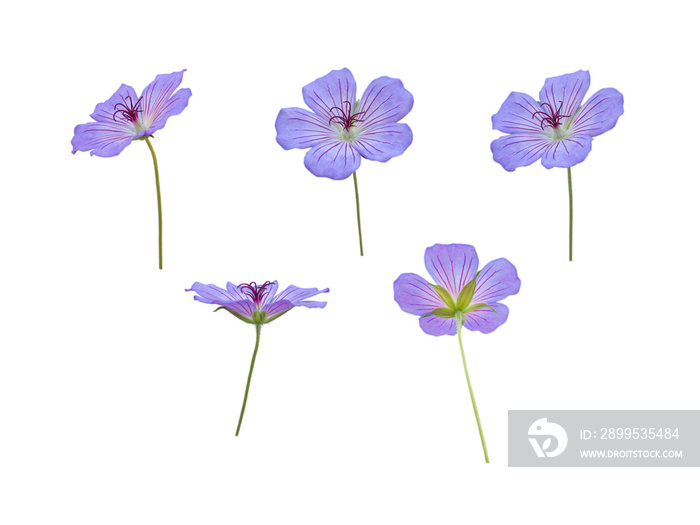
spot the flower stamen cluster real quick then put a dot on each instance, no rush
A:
(127, 111)
(257, 292)
(550, 118)
(347, 119)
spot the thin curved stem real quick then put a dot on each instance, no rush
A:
(160, 212)
(471, 392)
(250, 374)
(571, 218)
(357, 201)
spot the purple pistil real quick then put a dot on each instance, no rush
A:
(345, 118)
(256, 292)
(127, 110)
(550, 117)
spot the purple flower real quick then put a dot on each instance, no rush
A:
(557, 129)
(461, 293)
(256, 303)
(462, 296)
(125, 117)
(340, 130)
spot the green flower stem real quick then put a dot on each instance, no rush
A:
(357, 201)
(471, 392)
(160, 212)
(250, 374)
(571, 218)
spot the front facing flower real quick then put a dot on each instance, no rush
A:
(340, 130)
(462, 294)
(256, 303)
(558, 129)
(126, 116)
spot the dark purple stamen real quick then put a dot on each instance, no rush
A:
(346, 118)
(550, 117)
(127, 110)
(257, 292)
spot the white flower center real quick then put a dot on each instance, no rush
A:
(348, 135)
(559, 133)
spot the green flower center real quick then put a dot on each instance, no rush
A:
(559, 133)
(457, 307)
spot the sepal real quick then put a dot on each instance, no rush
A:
(465, 296)
(270, 319)
(479, 306)
(444, 313)
(239, 316)
(444, 295)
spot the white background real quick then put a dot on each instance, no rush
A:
(119, 394)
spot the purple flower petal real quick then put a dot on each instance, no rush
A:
(300, 128)
(385, 101)
(497, 280)
(108, 136)
(270, 297)
(566, 90)
(212, 294)
(243, 308)
(105, 111)
(335, 159)
(159, 103)
(277, 308)
(234, 291)
(517, 115)
(313, 304)
(231, 299)
(567, 152)
(415, 296)
(516, 151)
(436, 326)
(599, 114)
(105, 139)
(297, 296)
(384, 141)
(335, 90)
(452, 266)
(485, 320)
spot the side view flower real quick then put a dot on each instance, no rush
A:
(125, 117)
(558, 129)
(462, 295)
(256, 304)
(340, 130)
